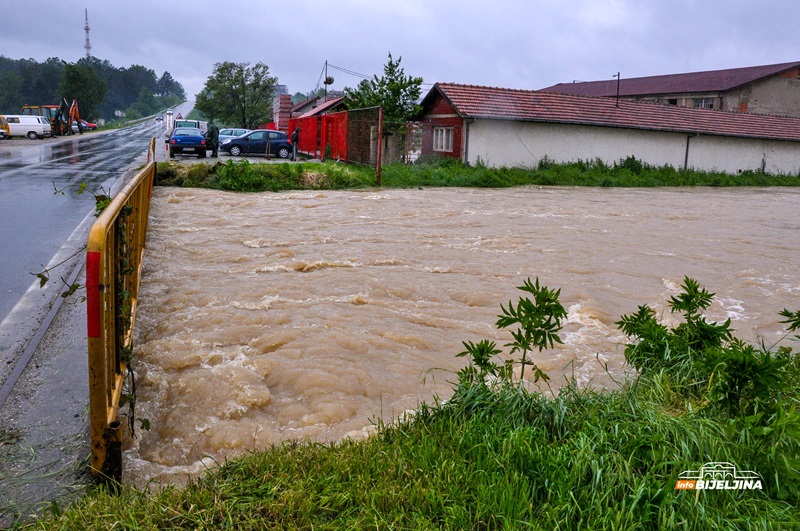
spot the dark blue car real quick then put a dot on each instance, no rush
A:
(255, 142)
(187, 140)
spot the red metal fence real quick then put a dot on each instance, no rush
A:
(310, 141)
(334, 135)
(351, 136)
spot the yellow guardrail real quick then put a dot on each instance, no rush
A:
(113, 269)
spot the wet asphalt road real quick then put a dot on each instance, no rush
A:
(44, 412)
(40, 227)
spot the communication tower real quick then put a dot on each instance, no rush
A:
(87, 45)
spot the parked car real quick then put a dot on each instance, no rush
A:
(187, 140)
(87, 126)
(25, 125)
(255, 142)
(225, 134)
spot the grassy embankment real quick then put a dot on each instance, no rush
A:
(246, 177)
(498, 456)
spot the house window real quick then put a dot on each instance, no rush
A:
(443, 139)
(703, 103)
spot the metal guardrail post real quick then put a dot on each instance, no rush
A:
(114, 255)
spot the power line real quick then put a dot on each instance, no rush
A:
(351, 72)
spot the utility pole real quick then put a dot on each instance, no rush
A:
(87, 45)
(328, 80)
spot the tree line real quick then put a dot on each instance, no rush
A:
(100, 88)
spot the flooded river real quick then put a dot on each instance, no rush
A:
(309, 315)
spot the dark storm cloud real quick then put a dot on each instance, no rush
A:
(518, 44)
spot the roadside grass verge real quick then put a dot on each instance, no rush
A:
(500, 456)
(487, 459)
(248, 177)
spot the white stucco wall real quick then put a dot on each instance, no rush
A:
(524, 144)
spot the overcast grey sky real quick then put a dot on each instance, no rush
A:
(528, 44)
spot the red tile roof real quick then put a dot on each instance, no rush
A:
(471, 101)
(712, 81)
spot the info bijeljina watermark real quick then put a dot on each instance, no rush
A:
(718, 475)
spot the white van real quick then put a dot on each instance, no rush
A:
(31, 126)
(199, 124)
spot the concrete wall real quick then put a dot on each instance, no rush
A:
(776, 95)
(509, 143)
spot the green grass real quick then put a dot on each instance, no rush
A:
(247, 177)
(497, 456)
(487, 459)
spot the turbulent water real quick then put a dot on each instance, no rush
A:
(269, 317)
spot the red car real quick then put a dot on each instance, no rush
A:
(88, 125)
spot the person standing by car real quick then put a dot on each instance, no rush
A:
(295, 140)
(212, 135)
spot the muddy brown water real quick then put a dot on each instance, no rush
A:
(310, 315)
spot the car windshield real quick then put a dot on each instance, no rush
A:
(187, 131)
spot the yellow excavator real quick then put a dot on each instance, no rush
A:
(61, 116)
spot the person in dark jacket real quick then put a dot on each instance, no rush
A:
(212, 136)
(295, 140)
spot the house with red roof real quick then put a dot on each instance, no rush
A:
(509, 127)
(767, 89)
(333, 104)
(301, 108)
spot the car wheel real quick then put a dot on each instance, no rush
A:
(32, 135)
(284, 152)
(171, 153)
(236, 151)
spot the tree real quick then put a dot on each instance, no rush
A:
(396, 92)
(10, 101)
(135, 79)
(167, 86)
(146, 105)
(83, 84)
(237, 94)
(40, 81)
(112, 76)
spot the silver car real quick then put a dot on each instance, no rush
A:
(225, 134)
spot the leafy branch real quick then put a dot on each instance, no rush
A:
(539, 321)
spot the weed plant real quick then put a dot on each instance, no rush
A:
(500, 456)
(442, 172)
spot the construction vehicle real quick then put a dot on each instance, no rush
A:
(61, 116)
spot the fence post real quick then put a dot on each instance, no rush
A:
(380, 144)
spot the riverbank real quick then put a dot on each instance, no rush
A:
(243, 176)
(478, 242)
(499, 456)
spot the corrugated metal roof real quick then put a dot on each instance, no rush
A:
(712, 81)
(472, 101)
(322, 107)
